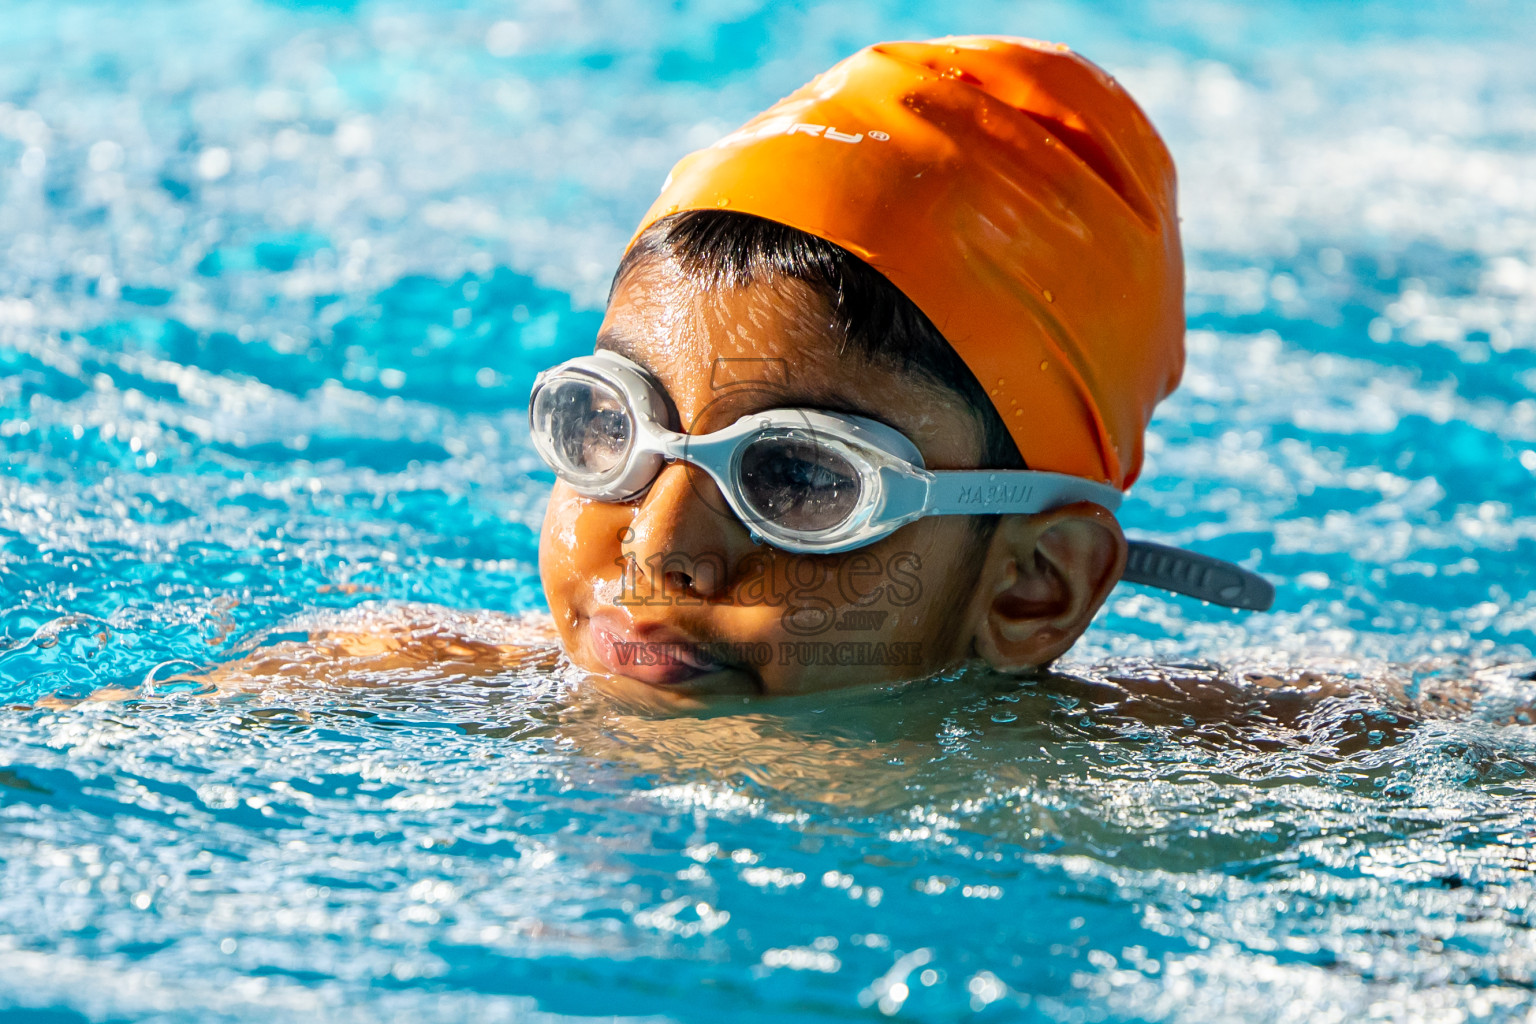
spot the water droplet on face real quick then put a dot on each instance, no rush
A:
(1045, 364)
(723, 203)
(1048, 296)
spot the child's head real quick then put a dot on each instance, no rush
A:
(970, 241)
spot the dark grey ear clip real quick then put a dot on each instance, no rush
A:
(1209, 579)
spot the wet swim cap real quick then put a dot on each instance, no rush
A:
(1017, 195)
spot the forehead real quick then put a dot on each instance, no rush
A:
(724, 352)
(679, 328)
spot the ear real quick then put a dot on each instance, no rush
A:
(1044, 578)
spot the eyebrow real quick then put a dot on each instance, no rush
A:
(613, 340)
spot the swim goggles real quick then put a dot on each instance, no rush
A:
(809, 481)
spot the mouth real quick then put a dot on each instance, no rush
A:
(652, 654)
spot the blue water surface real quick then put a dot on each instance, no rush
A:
(274, 281)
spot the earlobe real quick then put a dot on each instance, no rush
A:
(1046, 575)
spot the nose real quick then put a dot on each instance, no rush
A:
(684, 539)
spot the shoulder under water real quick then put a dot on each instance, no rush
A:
(1187, 817)
(1099, 835)
(1095, 758)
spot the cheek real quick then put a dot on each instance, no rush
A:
(894, 610)
(579, 551)
(926, 580)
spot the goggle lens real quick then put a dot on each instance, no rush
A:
(798, 484)
(584, 428)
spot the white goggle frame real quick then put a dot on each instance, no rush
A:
(895, 488)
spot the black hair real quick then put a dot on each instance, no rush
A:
(876, 320)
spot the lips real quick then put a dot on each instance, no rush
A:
(648, 652)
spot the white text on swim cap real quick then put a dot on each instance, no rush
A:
(789, 126)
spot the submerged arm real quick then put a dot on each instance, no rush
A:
(394, 645)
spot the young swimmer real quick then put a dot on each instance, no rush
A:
(873, 377)
(942, 278)
(874, 373)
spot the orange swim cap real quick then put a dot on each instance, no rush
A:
(1017, 195)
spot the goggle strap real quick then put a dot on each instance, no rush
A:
(1019, 491)
(1200, 576)
(958, 492)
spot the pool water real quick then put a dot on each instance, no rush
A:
(275, 280)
